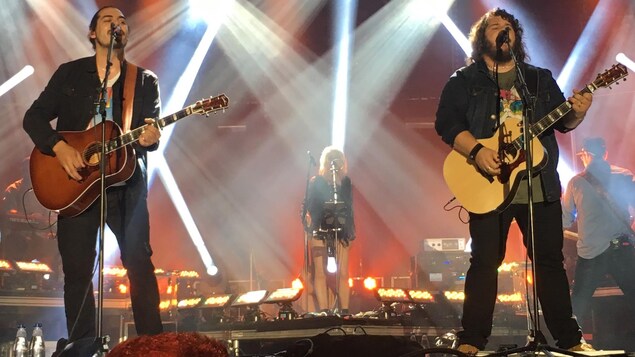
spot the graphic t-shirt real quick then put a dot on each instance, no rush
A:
(109, 115)
(511, 107)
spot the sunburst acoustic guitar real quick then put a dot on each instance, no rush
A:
(59, 192)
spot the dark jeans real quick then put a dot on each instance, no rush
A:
(128, 219)
(489, 238)
(619, 263)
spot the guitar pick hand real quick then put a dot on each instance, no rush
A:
(70, 159)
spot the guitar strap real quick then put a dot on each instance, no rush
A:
(128, 96)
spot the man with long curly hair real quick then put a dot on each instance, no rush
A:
(474, 104)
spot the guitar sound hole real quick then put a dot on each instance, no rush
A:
(92, 154)
(509, 155)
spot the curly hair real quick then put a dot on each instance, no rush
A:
(479, 42)
(170, 344)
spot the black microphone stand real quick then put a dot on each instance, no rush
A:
(102, 341)
(536, 342)
(307, 231)
(331, 239)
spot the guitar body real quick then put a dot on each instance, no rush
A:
(481, 193)
(59, 192)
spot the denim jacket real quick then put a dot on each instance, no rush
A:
(469, 101)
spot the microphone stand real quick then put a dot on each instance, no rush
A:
(100, 340)
(536, 342)
(307, 231)
(331, 239)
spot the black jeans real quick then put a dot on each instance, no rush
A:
(128, 219)
(489, 238)
(619, 263)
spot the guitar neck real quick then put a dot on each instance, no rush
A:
(548, 120)
(133, 135)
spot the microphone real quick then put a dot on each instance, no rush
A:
(311, 159)
(334, 165)
(502, 37)
(116, 31)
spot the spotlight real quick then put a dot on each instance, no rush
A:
(250, 300)
(213, 308)
(331, 266)
(190, 314)
(5, 265)
(420, 296)
(28, 276)
(284, 297)
(389, 297)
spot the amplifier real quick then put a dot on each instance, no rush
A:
(441, 271)
(444, 245)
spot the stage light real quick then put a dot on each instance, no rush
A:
(16, 79)
(370, 283)
(297, 283)
(5, 265)
(388, 298)
(331, 266)
(189, 303)
(623, 59)
(420, 296)
(250, 300)
(115, 272)
(510, 298)
(454, 295)
(122, 288)
(217, 301)
(508, 267)
(213, 308)
(391, 295)
(284, 297)
(34, 267)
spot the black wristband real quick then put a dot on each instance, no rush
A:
(475, 151)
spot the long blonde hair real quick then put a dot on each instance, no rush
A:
(330, 154)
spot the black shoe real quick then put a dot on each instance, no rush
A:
(61, 343)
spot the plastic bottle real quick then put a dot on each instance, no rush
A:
(20, 348)
(36, 347)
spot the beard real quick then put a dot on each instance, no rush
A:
(498, 55)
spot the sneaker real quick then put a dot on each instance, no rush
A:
(467, 349)
(582, 347)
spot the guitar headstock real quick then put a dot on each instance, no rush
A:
(210, 105)
(610, 76)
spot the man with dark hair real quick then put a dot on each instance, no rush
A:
(599, 199)
(70, 96)
(475, 102)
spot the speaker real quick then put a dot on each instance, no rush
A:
(353, 345)
(441, 271)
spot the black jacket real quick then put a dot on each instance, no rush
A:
(470, 99)
(71, 96)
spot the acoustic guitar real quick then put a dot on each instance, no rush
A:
(479, 192)
(59, 192)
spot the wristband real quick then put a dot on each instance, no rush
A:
(475, 150)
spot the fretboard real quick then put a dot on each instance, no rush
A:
(133, 135)
(548, 120)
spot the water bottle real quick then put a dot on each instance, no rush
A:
(20, 348)
(36, 347)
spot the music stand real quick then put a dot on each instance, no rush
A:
(333, 221)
